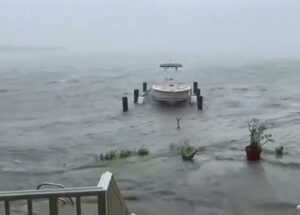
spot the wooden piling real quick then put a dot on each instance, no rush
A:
(125, 103)
(144, 86)
(195, 87)
(199, 102)
(198, 92)
(136, 95)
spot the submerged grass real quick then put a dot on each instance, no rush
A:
(114, 154)
(143, 151)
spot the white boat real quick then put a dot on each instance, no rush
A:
(171, 90)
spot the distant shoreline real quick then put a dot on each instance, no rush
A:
(11, 48)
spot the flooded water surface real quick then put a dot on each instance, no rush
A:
(57, 115)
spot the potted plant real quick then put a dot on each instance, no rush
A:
(187, 151)
(258, 138)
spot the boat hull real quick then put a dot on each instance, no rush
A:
(171, 96)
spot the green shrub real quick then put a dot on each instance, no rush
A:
(109, 155)
(125, 153)
(143, 152)
(188, 151)
(113, 154)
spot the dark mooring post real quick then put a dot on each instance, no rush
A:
(136, 95)
(125, 104)
(195, 87)
(198, 92)
(144, 86)
(199, 102)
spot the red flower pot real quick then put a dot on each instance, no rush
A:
(253, 154)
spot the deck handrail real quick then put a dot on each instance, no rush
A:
(109, 198)
(49, 193)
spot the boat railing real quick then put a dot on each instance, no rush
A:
(108, 198)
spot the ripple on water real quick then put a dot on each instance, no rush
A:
(8, 90)
(162, 176)
(163, 193)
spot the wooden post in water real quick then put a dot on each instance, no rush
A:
(125, 103)
(144, 86)
(195, 87)
(136, 95)
(198, 92)
(199, 102)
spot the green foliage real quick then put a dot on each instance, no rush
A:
(257, 130)
(125, 153)
(187, 151)
(109, 155)
(143, 151)
(113, 154)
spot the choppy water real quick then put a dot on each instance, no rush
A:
(58, 114)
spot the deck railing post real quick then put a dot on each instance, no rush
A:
(78, 205)
(102, 203)
(53, 210)
(7, 209)
(29, 206)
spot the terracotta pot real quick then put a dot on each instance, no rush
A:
(253, 154)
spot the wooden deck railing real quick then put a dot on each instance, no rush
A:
(108, 199)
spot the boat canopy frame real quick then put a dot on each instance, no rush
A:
(174, 66)
(171, 65)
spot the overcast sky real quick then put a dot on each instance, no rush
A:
(154, 25)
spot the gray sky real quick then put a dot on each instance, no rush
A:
(203, 26)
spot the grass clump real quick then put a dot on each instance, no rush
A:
(109, 155)
(113, 154)
(125, 153)
(143, 151)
